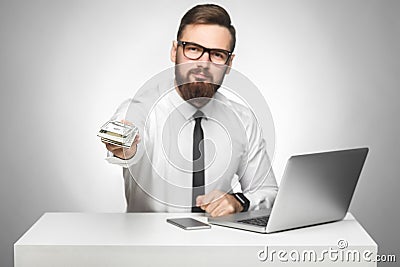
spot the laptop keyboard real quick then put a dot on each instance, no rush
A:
(259, 221)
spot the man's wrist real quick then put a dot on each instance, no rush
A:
(125, 154)
(242, 200)
(124, 158)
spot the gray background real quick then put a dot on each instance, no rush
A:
(328, 69)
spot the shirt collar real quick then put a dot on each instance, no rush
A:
(181, 105)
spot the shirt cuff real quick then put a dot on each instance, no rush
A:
(121, 162)
(259, 200)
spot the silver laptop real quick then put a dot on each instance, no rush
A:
(315, 188)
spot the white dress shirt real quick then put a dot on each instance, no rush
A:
(159, 177)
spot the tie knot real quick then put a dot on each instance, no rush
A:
(198, 115)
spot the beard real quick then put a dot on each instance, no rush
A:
(193, 90)
(197, 92)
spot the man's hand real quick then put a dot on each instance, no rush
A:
(218, 203)
(121, 152)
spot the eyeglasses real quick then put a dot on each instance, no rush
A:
(195, 51)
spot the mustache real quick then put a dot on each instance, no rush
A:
(202, 71)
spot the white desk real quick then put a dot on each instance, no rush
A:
(146, 239)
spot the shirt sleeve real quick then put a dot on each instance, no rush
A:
(121, 162)
(255, 172)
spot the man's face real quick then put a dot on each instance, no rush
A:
(199, 79)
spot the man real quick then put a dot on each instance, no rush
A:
(197, 144)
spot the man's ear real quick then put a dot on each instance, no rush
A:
(173, 51)
(230, 64)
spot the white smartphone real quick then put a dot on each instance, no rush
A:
(188, 223)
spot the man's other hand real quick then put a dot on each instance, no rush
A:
(218, 203)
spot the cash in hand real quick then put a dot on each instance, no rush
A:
(118, 133)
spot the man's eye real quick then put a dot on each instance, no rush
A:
(193, 49)
(219, 55)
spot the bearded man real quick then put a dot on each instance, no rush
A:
(197, 145)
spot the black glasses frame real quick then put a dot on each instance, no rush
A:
(205, 49)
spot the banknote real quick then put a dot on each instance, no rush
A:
(118, 133)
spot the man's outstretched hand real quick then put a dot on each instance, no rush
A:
(124, 153)
(218, 203)
(121, 152)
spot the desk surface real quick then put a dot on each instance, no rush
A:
(146, 239)
(151, 229)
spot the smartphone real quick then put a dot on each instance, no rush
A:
(188, 223)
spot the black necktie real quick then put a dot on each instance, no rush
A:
(198, 161)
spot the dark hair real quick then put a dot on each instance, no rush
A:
(208, 14)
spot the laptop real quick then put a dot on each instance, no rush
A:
(315, 188)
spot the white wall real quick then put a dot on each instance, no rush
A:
(328, 69)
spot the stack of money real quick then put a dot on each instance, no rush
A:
(118, 133)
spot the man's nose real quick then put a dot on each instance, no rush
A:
(204, 60)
